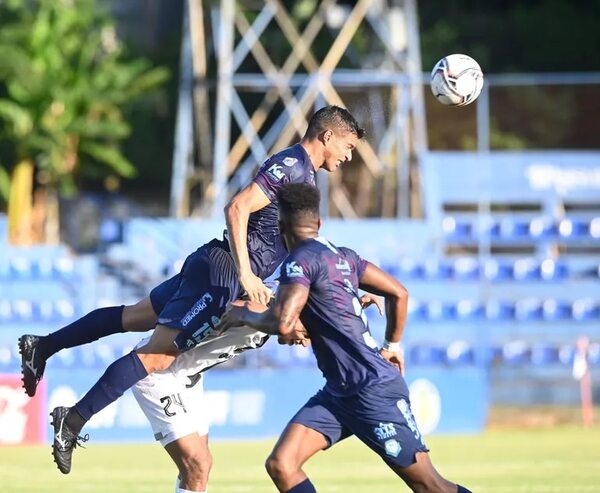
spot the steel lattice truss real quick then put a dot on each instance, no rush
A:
(274, 71)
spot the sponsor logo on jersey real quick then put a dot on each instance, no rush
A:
(289, 161)
(348, 286)
(343, 266)
(385, 430)
(292, 269)
(275, 171)
(392, 448)
(198, 307)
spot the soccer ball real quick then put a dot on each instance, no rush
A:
(456, 80)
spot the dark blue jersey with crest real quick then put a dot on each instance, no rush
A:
(344, 348)
(265, 245)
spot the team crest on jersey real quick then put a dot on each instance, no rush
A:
(292, 269)
(275, 171)
(289, 161)
(393, 448)
(343, 266)
(385, 430)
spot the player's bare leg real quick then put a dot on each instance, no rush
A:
(35, 350)
(295, 446)
(160, 351)
(193, 459)
(422, 477)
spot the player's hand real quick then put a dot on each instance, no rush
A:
(298, 336)
(396, 359)
(369, 299)
(255, 288)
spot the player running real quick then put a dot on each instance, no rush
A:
(185, 308)
(365, 394)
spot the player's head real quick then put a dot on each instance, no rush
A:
(298, 212)
(337, 132)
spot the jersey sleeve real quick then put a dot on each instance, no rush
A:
(359, 263)
(271, 176)
(298, 268)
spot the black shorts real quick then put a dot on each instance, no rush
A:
(194, 299)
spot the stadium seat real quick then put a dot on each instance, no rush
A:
(492, 354)
(526, 269)
(555, 310)
(437, 310)
(542, 227)
(528, 309)
(544, 354)
(468, 310)
(594, 353)
(466, 268)
(64, 267)
(20, 268)
(437, 269)
(64, 309)
(22, 310)
(499, 310)
(566, 353)
(5, 311)
(551, 270)
(427, 355)
(515, 353)
(456, 229)
(584, 309)
(416, 310)
(495, 270)
(459, 352)
(409, 268)
(513, 229)
(594, 228)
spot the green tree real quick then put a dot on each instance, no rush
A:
(64, 83)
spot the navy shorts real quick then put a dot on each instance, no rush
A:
(379, 415)
(194, 299)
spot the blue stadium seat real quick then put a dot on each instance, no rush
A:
(20, 268)
(594, 353)
(460, 353)
(416, 310)
(5, 311)
(468, 310)
(64, 309)
(466, 268)
(437, 310)
(43, 311)
(495, 270)
(492, 354)
(515, 353)
(584, 309)
(526, 269)
(22, 311)
(542, 227)
(544, 354)
(556, 310)
(513, 229)
(409, 268)
(437, 269)
(566, 353)
(551, 270)
(64, 268)
(456, 229)
(9, 358)
(573, 228)
(594, 228)
(499, 310)
(427, 355)
(528, 309)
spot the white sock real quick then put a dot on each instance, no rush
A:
(181, 490)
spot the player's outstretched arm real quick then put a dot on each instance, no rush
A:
(237, 212)
(376, 281)
(282, 318)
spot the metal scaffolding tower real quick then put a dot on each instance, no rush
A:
(274, 68)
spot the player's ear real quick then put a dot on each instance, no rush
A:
(326, 136)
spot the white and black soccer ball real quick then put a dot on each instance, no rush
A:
(456, 80)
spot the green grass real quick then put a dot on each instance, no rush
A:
(565, 459)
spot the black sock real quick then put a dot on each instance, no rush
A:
(118, 377)
(304, 487)
(74, 420)
(96, 324)
(462, 489)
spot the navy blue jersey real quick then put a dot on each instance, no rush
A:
(265, 245)
(345, 350)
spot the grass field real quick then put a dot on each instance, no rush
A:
(565, 459)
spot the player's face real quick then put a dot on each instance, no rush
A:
(338, 148)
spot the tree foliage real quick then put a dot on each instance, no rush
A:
(64, 83)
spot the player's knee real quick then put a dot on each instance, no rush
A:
(195, 469)
(279, 467)
(155, 362)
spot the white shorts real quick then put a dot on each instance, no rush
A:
(173, 408)
(173, 400)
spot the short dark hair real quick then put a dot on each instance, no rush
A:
(298, 199)
(333, 118)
